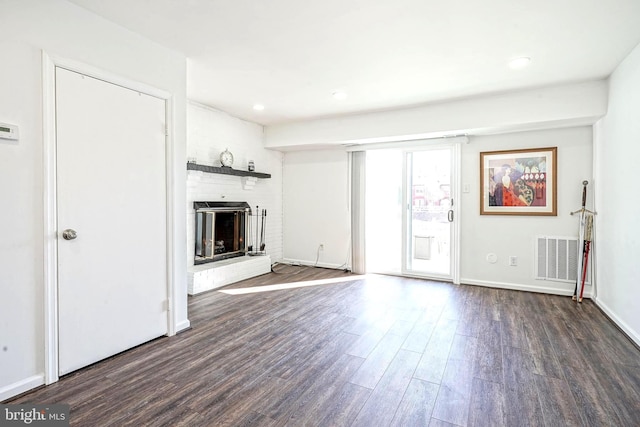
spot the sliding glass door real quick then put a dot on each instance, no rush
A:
(429, 212)
(410, 212)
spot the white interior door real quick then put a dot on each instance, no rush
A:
(111, 190)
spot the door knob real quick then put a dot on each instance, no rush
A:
(69, 234)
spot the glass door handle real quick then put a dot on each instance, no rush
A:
(450, 215)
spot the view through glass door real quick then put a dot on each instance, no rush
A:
(430, 213)
(409, 212)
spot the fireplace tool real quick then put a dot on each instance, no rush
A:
(264, 222)
(249, 234)
(257, 246)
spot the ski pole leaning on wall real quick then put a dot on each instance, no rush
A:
(584, 244)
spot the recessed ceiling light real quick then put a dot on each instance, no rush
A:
(519, 63)
(339, 95)
(258, 107)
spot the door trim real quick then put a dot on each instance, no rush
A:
(457, 190)
(49, 64)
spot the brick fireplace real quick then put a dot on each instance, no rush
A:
(220, 246)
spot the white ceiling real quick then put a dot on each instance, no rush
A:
(291, 55)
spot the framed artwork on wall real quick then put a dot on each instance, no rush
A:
(519, 182)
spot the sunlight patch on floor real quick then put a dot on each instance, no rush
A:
(293, 285)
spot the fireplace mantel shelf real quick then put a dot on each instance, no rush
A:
(226, 171)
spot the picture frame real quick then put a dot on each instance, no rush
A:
(519, 182)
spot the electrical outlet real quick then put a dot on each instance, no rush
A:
(513, 261)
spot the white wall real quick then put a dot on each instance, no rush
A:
(26, 28)
(542, 108)
(514, 235)
(209, 132)
(316, 208)
(315, 182)
(618, 231)
(21, 225)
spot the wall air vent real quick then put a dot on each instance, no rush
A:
(557, 259)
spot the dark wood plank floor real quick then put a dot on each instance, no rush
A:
(375, 351)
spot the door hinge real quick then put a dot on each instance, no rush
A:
(165, 305)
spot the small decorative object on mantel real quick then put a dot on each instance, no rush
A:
(226, 158)
(252, 166)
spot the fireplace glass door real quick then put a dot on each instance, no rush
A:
(220, 232)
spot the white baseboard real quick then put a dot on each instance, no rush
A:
(568, 291)
(181, 326)
(313, 264)
(21, 386)
(633, 335)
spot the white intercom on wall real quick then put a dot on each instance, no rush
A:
(8, 131)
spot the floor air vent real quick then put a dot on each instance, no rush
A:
(557, 259)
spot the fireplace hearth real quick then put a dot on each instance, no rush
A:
(220, 230)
